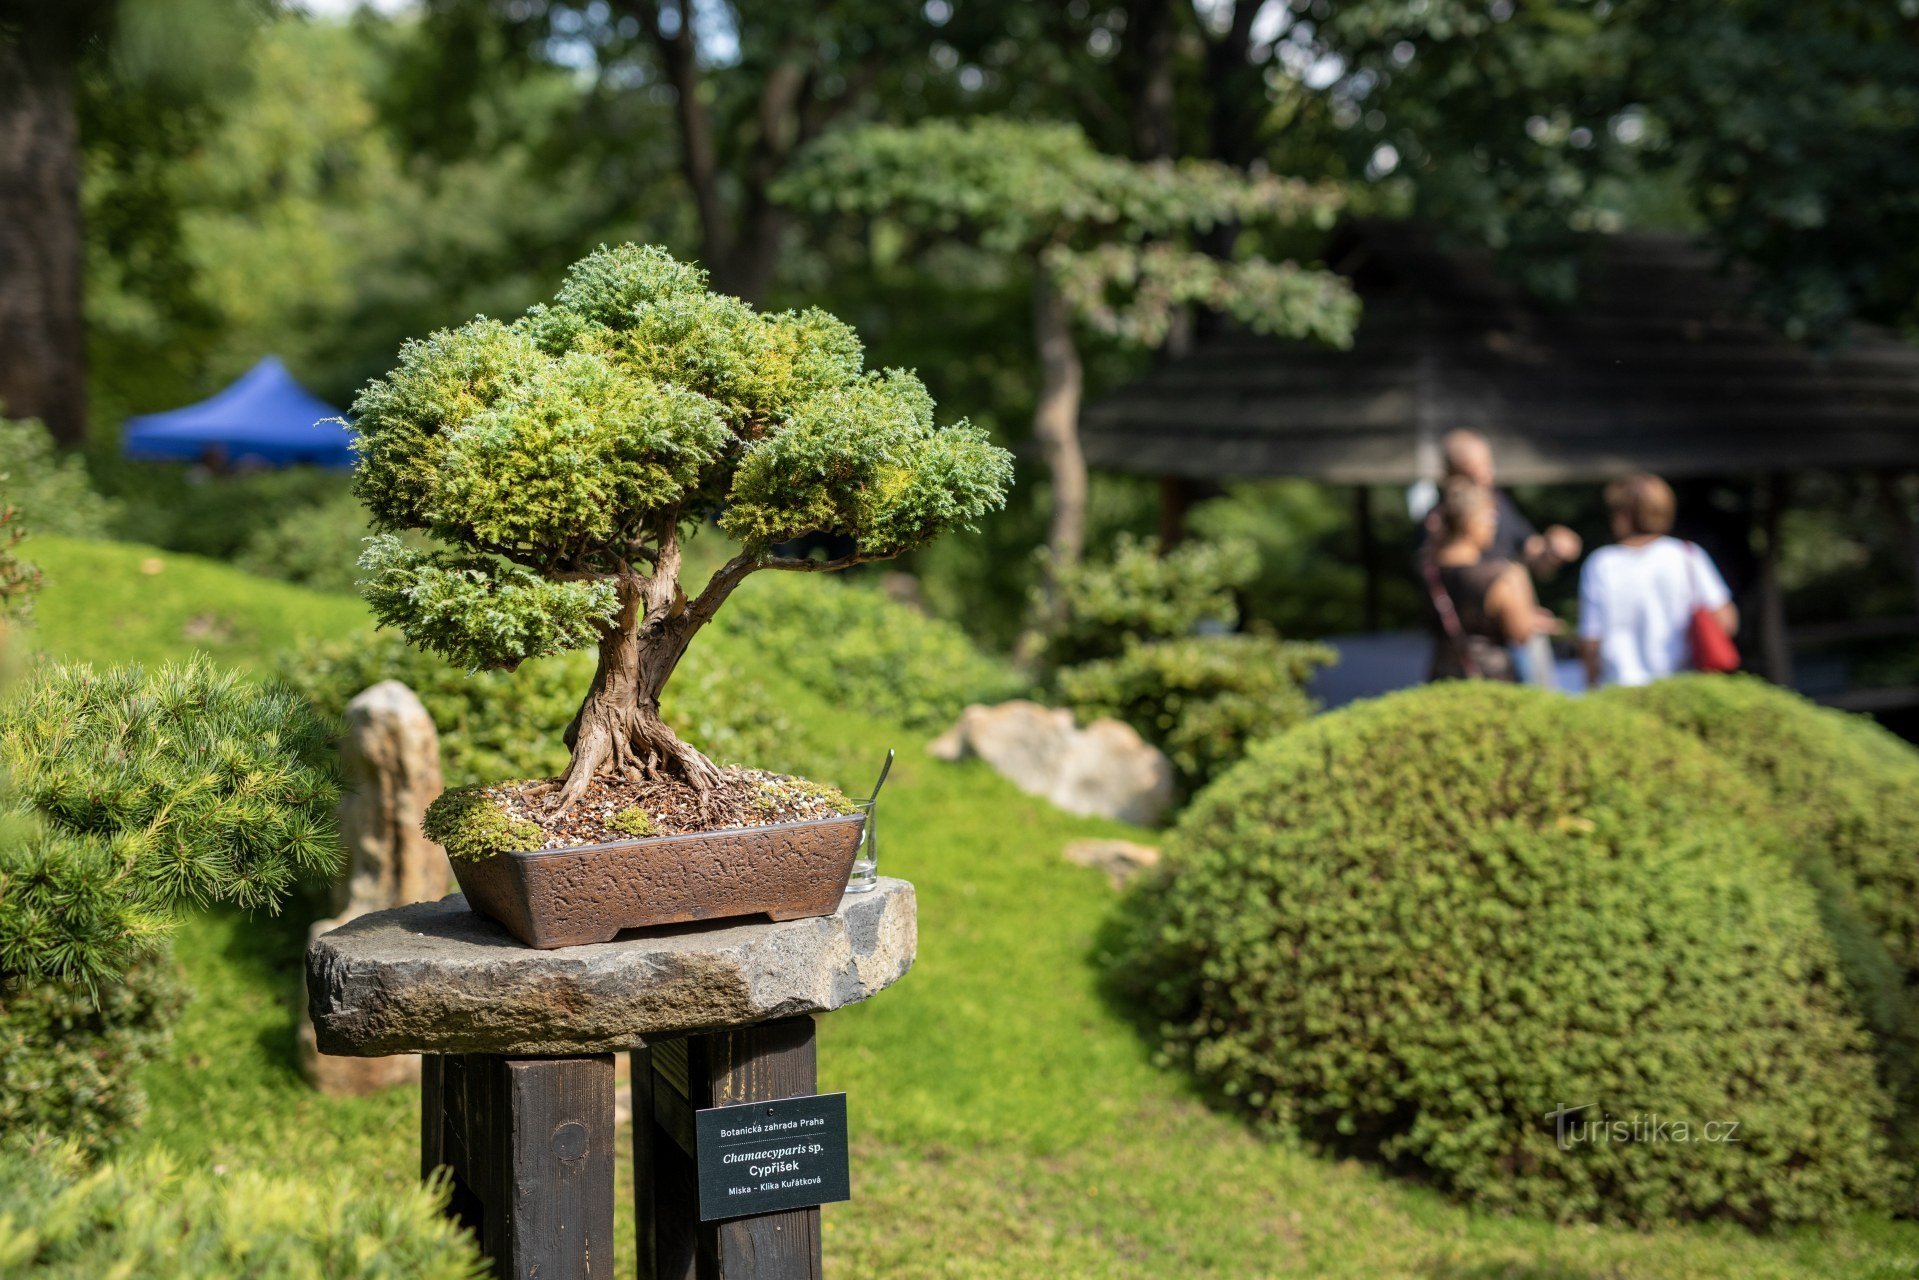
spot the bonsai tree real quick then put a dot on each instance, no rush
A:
(560, 460)
(1111, 243)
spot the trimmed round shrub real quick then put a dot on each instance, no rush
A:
(1501, 938)
(1846, 790)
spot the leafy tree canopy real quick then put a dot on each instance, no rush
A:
(1114, 233)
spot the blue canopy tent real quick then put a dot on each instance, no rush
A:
(263, 418)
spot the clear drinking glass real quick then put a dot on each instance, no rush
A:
(866, 859)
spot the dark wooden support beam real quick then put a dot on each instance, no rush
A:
(1775, 646)
(1368, 553)
(719, 1069)
(528, 1143)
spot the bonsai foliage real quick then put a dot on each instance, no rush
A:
(558, 462)
(1113, 244)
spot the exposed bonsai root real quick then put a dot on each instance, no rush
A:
(634, 745)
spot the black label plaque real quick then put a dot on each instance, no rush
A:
(761, 1157)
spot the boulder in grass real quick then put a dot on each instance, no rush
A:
(1104, 770)
(391, 761)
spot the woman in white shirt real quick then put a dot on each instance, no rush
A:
(1636, 597)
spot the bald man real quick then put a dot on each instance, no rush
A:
(1467, 454)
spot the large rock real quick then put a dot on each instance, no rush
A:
(1105, 770)
(390, 758)
(437, 978)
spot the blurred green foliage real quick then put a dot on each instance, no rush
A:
(500, 725)
(1149, 638)
(218, 516)
(1419, 927)
(1138, 595)
(842, 640)
(1310, 579)
(146, 1216)
(287, 211)
(73, 1054)
(318, 546)
(1203, 700)
(852, 645)
(52, 488)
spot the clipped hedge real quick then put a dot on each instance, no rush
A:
(1847, 790)
(1202, 700)
(1416, 928)
(147, 1218)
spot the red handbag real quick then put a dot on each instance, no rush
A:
(1712, 649)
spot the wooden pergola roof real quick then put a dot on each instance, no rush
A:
(1658, 365)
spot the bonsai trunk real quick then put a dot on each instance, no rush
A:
(618, 732)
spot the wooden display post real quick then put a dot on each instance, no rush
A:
(517, 1085)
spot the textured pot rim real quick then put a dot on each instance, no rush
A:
(664, 840)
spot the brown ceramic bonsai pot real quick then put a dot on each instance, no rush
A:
(588, 893)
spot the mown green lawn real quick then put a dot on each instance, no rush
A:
(1007, 1122)
(110, 602)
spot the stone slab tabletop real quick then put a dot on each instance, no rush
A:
(438, 978)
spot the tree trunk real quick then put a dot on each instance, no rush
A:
(1056, 428)
(42, 337)
(699, 159)
(618, 732)
(1152, 34)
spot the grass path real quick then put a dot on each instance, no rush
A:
(1007, 1123)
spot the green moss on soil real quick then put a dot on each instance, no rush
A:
(634, 821)
(467, 822)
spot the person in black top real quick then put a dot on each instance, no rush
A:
(1468, 457)
(1483, 604)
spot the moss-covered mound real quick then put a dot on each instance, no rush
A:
(1847, 790)
(1501, 938)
